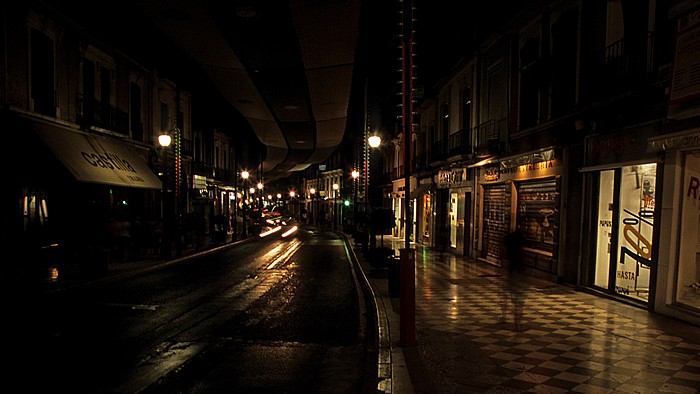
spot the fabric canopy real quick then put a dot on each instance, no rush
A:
(420, 190)
(96, 159)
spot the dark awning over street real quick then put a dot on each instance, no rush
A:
(420, 190)
(98, 159)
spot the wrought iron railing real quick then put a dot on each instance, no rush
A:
(96, 113)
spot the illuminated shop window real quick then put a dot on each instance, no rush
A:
(688, 285)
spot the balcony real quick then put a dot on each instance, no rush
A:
(626, 70)
(438, 152)
(94, 113)
(218, 174)
(488, 137)
(458, 143)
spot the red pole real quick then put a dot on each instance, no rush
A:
(407, 282)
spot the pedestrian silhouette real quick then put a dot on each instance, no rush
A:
(322, 219)
(513, 291)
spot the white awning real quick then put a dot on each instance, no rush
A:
(96, 159)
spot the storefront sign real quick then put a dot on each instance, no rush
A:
(529, 169)
(97, 159)
(684, 140)
(619, 147)
(452, 178)
(532, 165)
(492, 173)
(523, 171)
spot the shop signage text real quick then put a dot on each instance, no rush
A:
(495, 173)
(688, 140)
(543, 165)
(693, 185)
(109, 161)
(451, 177)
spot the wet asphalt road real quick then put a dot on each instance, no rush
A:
(270, 314)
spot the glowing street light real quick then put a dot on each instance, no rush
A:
(244, 233)
(312, 193)
(260, 187)
(164, 140)
(335, 199)
(355, 175)
(374, 141)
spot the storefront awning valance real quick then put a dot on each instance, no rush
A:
(420, 190)
(96, 159)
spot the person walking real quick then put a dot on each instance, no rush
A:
(513, 294)
(322, 219)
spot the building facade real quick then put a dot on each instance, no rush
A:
(576, 125)
(83, 109)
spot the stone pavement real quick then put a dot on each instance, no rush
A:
(570, 340)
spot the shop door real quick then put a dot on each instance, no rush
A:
(538, 219)
(427, 214)
(468, 225)
(625, 228)
(495, 221)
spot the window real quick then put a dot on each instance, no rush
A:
(688, 286)
(635, 227)
(467, 108)
(626, 208)
(98, 89)
(445, 119)
(135, 117)
(606, 185)
(564, 32)
(529, 93)
(42, 73)
(164, 117)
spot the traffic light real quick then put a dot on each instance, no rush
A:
(346, 203)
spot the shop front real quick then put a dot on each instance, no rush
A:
(459, 229)
(678, 283)
(85, 201)
(397, 206)
(521, 193)
(622, 181)
(422, 199)
(420, 209)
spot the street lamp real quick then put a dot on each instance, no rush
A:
(244, 232)
(293, 207)
(374, 142)
(260, 187)
(335, 199)
(312, 191)
(355, 175)
(164, 140)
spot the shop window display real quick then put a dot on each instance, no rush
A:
(688, 285)
(623, 262)
(605, 222)
(635, 229)
(538, 218)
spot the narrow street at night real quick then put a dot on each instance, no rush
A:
(268, 314)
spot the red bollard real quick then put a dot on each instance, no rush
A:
(407, 297)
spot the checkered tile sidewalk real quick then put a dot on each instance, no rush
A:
(569, 341)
